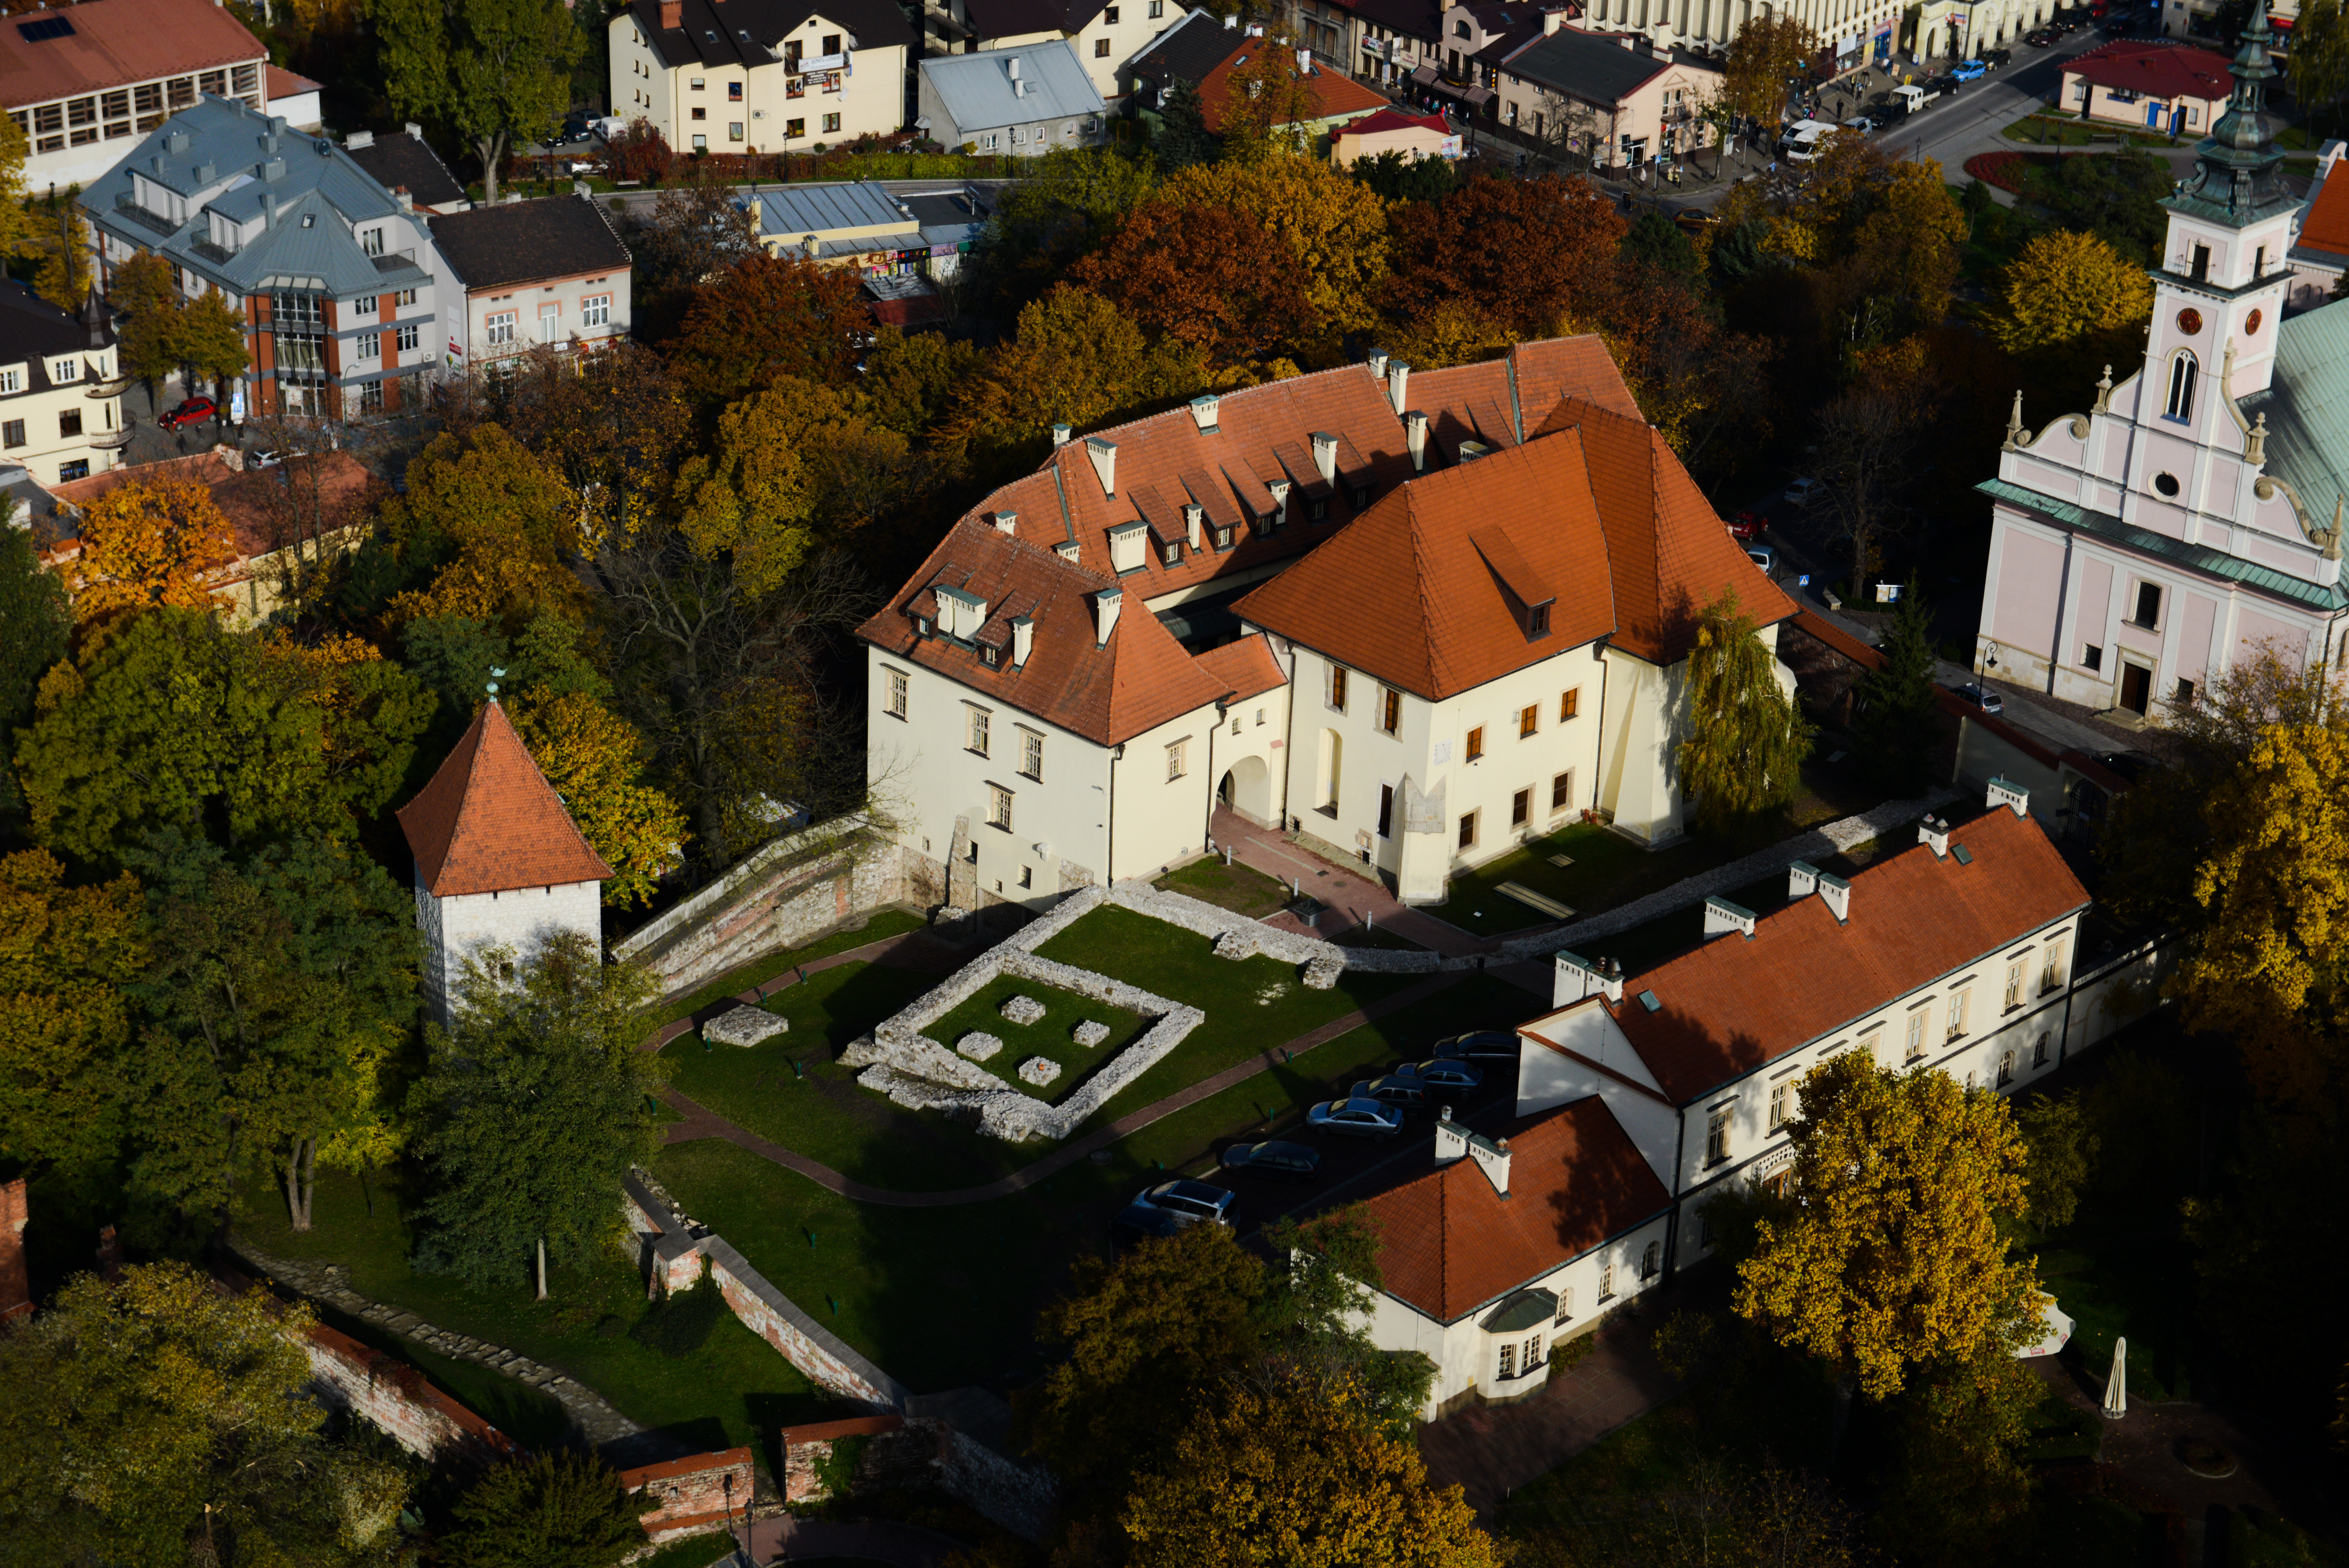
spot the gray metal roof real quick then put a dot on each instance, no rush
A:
(976, 89)
(2307, 406)
(2195, 557)
(225, 156)
(820, 209)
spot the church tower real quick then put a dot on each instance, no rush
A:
(498, 859)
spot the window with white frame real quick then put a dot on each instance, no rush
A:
(1508, 1360)
(1651, 1260)
(1781, 1097)
(12, 381)
(64, 370)
(975, 729)
(1716, 1134)
(596, 311)
(897, 693)
(1338, 687)
(2051, 974)
(1564, 1304)
(1871, 1042)
(2014, 984)
(370, 345)
(1916, 1036)
(1032, 755)
(1607, 1279)
(2039, 1050)
(408, 338)
(2005, 1069)
(998, 812)
(1177, 755)
(1958, 1002)
(550, 321)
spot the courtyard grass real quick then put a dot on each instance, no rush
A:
(2070, 130)
(878, 925)
(1243, 890)
(1051, 1037)
(715, 1397)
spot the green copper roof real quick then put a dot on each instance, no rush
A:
(1528, 1308)
(2307, 406)
(2195, 557)
(2238, 176)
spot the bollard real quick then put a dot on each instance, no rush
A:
(1228, 854)
(1370, 920)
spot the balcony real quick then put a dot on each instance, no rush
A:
(109, 441)
(127, 206)
(114, 389)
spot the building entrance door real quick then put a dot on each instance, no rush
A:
(2137, 688)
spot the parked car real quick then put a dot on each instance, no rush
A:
(1138, 1222)
(2040, 37)
(1970, 70)
(1693, 219)
(1478, 1046)
(1355, 1117)
(1982, 698)
(1444, 1079)
(1946, 83)
(1804, 491)
(1994, 58)
(1402, 1093)
(1764, 557)
(256, 462)
(1282, 1161)
(1747, 525)
(189, 413)
(1190, 1202)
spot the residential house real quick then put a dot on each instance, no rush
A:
(1515, 1242)
(520, 274)
(881, 233)
(499, 861)
(60, 387)
(1223, 61)
(761, 76)
(2154, 83)
(1961, 955)
(406, 164)
(84, 81)
(1476, 38)
(1395, 130)
(1024, 102)
(334, 273)
(1389, 42)
(1104, 35)
(1050, 700)
(2320, 244)
(1612, 97)
(2190, 517)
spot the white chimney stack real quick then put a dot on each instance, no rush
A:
(1191, 513)
(1104, 457)
(1398, 377)
(1060, 434)
(2012, 796)
(1578, 977)
(1837, 894)
(1203, 410)
(1379, 362)
(1005, 521)
(1722, 917)
(1105, 607)
(1011, 67)
(1023, 638)
(1935, 833)
(1414, 438)
(1325, 456)
(1304, 61)
(1802, 880)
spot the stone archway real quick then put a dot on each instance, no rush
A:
(1247, 787)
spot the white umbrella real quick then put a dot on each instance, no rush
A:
(2116, 1386)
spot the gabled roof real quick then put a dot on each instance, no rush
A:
(2155, 69)
(1019, 18)
(1246, 668)
(1186, 51)
(528, 242)
(2324, 226)
(1737, 1003)
(978, 91)
(33, 329)
(490, 822)
(1106, 692)
(1411, 18)
(1391, 119)
(745, 32)
(1596, 68)
(1427, 590)
(1328, 93)
(1448, 1243)
(407, 162)
(1667, 549)
(114, 43)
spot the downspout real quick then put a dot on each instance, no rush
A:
(1109, 824)
(1673, 1220)
(1208, 836)
(1288, 743)
(1598, 770)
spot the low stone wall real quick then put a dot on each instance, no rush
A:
(808, 1447)
(693, 1494)
(394, 1396)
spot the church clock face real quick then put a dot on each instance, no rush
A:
(2189, 321)
(2252, 325)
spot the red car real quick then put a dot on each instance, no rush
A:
(1747, 526)
(189, 413)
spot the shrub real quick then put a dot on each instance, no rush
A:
(679, 1325)
(638, 152)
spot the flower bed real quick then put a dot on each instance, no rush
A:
(2011, 171)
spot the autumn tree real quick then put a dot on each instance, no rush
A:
(1747, 741)
(1957, 1474)
(66, 952)
(16, 210)
(2066, 285)
(65, 275)
(1334, 227)
(1211, 278)
(2064, 1145)
(160, 1420)
(1771, 49)
(40, 618)
(551, 1507)
(148, 307)
(639, 153)
(1183, 137)
(1714, 1515)
(209, 346)
(147, 544)
(1874, 439)
(769, 316)
(1268, 102)
(496, 528)
(538, 1103)
(912, 378)
(1065, 204)
(595, 761)
(694, 235)
(1898, 699)
(1524, 255)
(497, 72)
(1913, 239)
(613, 426)
(2320, 59)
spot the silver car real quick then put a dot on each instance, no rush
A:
(1356, 1118)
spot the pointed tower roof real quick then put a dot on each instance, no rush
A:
(490, 822)
(2238, 178)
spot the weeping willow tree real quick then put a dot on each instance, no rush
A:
(1746, 741)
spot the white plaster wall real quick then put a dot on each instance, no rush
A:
(1255, 728)
(1161, 820)
(457, 928)
(1637, 769)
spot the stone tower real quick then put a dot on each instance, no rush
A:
(498, 859)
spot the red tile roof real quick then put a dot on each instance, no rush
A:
(2155, 68)
(2326, 227)
(1329, 92)
(1449, 1244)
(489, 821)
(1247, 667)
(1423, 589)
(1734, 1004)
(285, 84)
(1106, 692)
(1392, 118)
(114, 43)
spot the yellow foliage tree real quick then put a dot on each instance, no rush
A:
(758, 496)
(2065, 285)
(15, 214)
(148, 542)
(512, 521)
(1893, 1256)
(1334, 225)
(594, 758)
(65, 273)
(1292, 1481)
(1915, 239)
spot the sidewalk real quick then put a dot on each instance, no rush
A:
(1349, 894)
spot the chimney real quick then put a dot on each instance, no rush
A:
(1104, 457)
(1231, 22)
(1578, 977)
(1304, 61)
(672, 15)
(1023, 637)
(1494, 1156)
(1325, 456)
(579, 188)
(1802, 880)
(269, 209)
(1191, 513)
(415, 131)
(1935, 833)
(1203, 409)
(1722, 917)
(1255, 29)
(1838, 894)
(1551, 22)
(358, 140)
(408, 203)
(1005, 521)
(1060, 433)
(1398, 377)
(1105, 604)
(1378, 363)
(808, 245)
(1414, 437)
(2011, 796)
(1012, 67)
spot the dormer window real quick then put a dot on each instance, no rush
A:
(921, 626)
(1538, 621)
(1171, 552)
(64, 370)
(1317, 511)
(989, 657)
(1361, 497)
(1224, 537)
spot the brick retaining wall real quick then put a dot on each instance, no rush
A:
(692, 1494)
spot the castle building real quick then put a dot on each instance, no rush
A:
(498, 859)
(2191, 517)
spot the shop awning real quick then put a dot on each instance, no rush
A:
(1479, 97)
(1424, 75)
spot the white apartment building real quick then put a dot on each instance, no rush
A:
(546, 273)
(1103, 34)
(61, 388)
(761, 76)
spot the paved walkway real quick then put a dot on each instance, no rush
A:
(700, 1121)
(788, 1540)
(916, 950)
(1349, 894)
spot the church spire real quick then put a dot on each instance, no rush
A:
(2238, 178)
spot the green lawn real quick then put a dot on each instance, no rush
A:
(881, 923)
(1241, 889)
(2068, 130)
(1049, 1036)
(711, 1399)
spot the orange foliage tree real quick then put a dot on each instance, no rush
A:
(1522, 255)
(1210, 276)
(148, 542)
(770, 316)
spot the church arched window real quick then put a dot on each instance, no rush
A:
(2182, 371)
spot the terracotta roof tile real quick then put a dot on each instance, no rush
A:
(2325, 226)
(2155, 68)
(1329, 93)
(1449, 1244)
(115, 43)
(489, 821)
(1246, 668)
(1403, 594)
(1734, 1004)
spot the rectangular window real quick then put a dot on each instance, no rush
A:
(498, 327)
(2050, 976)
(1386, 811)
(12, 381)
(733, 130)
(69, 422)
(897, 693)
(2014, 984)
(64, 370)
(1157, 9)
(1561, 792)
(12, 433)
(1916, 1036)
(832, 123)
(794, 128)
(1607, 1279)
(1780, 1093)
(77, 469)
(406, 296)
(2184, 696)
(2005, 1069)
(408, 338)
(1521, 807)
(1508, 1362)
(2092, 657)
(1570, 703)
(693, 84)
(1027, 876)
(1872, 1043)
(1528, 719)
(831, 43)
(1109, 16)
(976, 738)
(363, 309)
(1000, 810)
(1468, 832)
(1101, 48)
(1564, 1304)
(1716, 1135)
(1338, 687)
(1032, 755)
(1176, 759)
(2148, 604)
(2039, 1050)
(701, 143)
(371, 241)
(370, 345)
(1958, 1012)
(1390, 711)
(699, 112)
(1532, 1352)
(1475, 743)
(733, 92)
(595, 312)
